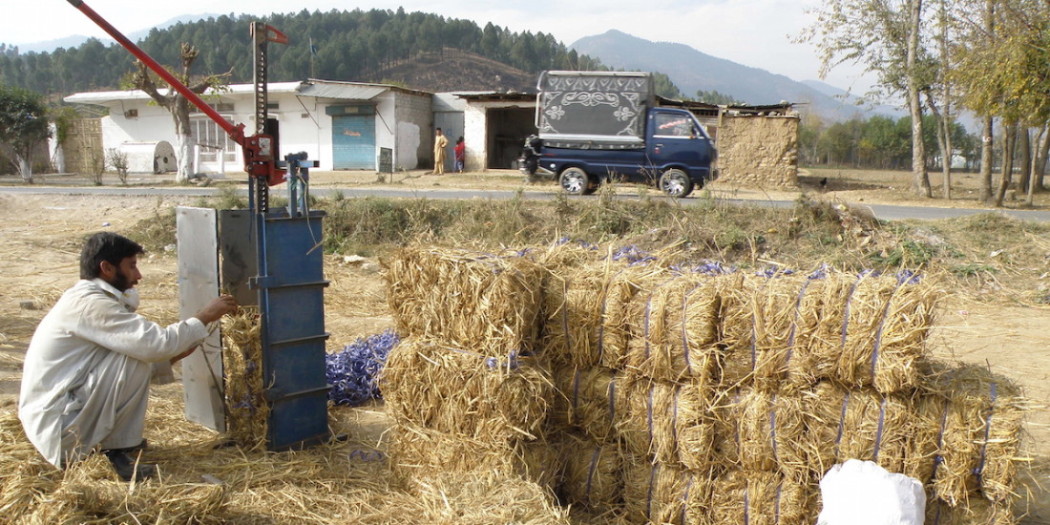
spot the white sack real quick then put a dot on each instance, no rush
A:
(863, 493)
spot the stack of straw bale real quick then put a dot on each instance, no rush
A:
(464, 387)
(706, 397)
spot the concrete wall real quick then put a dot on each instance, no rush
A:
(403, 122)
(758, 151)
(413, 119)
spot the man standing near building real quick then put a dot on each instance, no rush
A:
(85, 381)
(440, 143)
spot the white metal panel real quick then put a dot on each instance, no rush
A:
(198, 242)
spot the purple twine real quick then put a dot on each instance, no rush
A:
(878, 433)
(878, 332)
(776, 506)
(747, 504)
(685, 500)
(685, 331)
(773, 427)
(674, 417)
(612, 402)
(938, 458)
(594, 466)
(649, 408)
(649, 496)
(842, 424)
(994, 392)
(565, 315)
(845, 311)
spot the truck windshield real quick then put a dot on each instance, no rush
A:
(677, 125)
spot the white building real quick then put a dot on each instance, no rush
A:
(343, 125)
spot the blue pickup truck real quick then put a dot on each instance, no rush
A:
(597, 127)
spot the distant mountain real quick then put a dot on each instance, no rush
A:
(692, 70)
(68, 42)
(854, 100)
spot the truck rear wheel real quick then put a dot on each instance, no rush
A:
(676, 183)
(575, 181)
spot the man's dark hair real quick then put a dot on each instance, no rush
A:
(105, 246)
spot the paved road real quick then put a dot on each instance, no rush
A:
(882, 211)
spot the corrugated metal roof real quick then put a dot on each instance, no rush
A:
(346, 91)
(326, 89)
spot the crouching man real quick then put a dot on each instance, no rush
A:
(85, 381)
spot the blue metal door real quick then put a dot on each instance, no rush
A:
(354, 142)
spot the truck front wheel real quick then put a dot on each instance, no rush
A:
(575, 182)
(676, 183)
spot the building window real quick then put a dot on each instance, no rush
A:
(212, 139)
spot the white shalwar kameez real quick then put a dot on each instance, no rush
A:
(85, 381)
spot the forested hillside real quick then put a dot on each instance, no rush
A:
(347, 45)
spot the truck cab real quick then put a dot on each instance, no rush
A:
(599, 127)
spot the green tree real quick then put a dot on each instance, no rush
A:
(885, 37)
(178, 105)
(23, 126)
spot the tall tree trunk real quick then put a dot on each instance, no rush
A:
(985, 194)
(187, 143)
(918, 148)
(946, 98)
(986, 139)
(1039, 163)
(1009, 141)
(1024, 182)
(943, 144)
(25, 168)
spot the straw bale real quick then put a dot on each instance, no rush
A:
(484, 301)
(654, 492)
(983, 416)
(756, 326)
(670, 423)
(762, 498)
(977, 512)
(593, 473)
(420, 453)
(480, 499)
(821, 317)
(614, 334)
(770, 430)
(858, 424)
(572, 313)
(463, 392)
(676, 329)
(586, 399)
(247, 410)
(885, 332)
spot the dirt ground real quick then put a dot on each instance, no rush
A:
(41, 240)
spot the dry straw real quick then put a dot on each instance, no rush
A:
(614, 334)
(670, 423)
(463, 392)
(586, 399)
(593, 473)
(978, 512)
(247, 410)
(655, 493)
(421, 453)
(884, 335)
(771, 432)
(675, 329)
(979, 432)
(757, 317)
(761, 498)
(858, 424)
(488, 302)
(572, 313)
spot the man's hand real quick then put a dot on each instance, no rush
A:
(217, 308)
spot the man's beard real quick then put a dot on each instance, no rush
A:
(120, 281)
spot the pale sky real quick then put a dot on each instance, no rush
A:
(756, 33)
